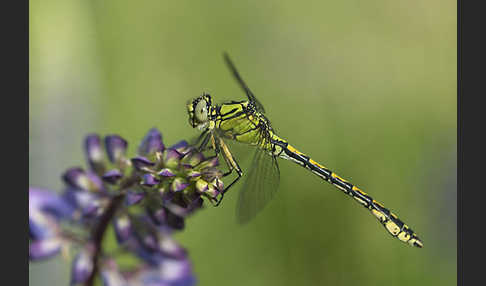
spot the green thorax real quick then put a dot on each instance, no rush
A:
(241, 121)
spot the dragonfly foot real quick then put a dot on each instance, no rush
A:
(218, 201)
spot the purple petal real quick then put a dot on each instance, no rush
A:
(171, 248)
(123, 228)
(88, 203)
(171, 272)
(166, 172)
(193, 174)
(40, 227)
(175, 270)
(112, 176)
(171, 153)
(111, 275)
(133, 197)
(94, 152)
(155, 248)
(179, 184)
(151, 143)
(78, 178)
(45, 248)
(49, 202)
(171, 158)
(148, 241)
(82, 265)
(202, 186)
(181, 145)
(45, 209)
(212, 191)
(149, 180)
(141, 162)
(158, 216)
(91, 210)
(95, 182)
(149, 255)
(115, 147)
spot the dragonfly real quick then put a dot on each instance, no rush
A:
(245, 122)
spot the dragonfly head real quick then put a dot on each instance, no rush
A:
(199, 111)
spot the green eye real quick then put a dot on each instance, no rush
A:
(201, 111)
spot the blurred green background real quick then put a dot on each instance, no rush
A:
(367, 88)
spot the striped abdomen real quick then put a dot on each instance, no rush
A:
(388, 219)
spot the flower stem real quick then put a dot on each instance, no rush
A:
(98, 234)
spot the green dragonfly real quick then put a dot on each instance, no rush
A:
(245, 122)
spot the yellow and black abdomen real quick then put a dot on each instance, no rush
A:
(389, 220)
(241, 122)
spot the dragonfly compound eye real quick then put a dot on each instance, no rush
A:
(201, 111)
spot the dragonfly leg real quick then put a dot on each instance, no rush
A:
(198, 139)
(230, 163)
(218, 201)
(228, 187)
(205, 139)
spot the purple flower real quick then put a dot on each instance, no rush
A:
(140, 162)
(112, 176)
(154, 243)
(123, 228)
(94, 153)
(166, 172)
(87, 205)
(158, 215)
(171, 272)
(47, 202)
(133, 197)
(82, 266)
(149, 180)
(115, 148)
(179, 184)
(144, 198)
(45, 248)
(151, 143)
(46, 209)
(111, 276)
(79, 179)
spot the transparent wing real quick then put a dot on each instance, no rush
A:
(243, 85)
(259, 187)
